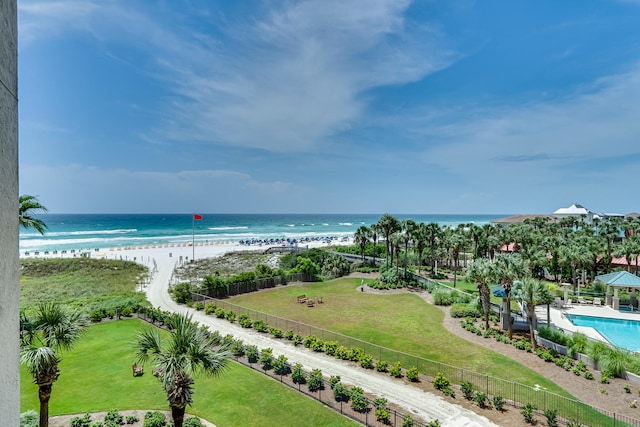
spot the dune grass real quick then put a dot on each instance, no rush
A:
(96, 376)
(77, 282)
(402, 322)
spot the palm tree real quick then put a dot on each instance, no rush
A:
(481, 272)
(52, 329)
(188, 352)
(530, 292)
(508, 268)
(388, 225)
(361, 238)
(28, 206)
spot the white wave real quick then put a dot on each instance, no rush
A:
(242, 227)
(345, 223)
(291, 225)
(85, 232)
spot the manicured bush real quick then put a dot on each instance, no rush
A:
(527, 412)
(464, 310)
(182, 293)
(210, 308)
(281, 365)
(333, 380)
(230, 316)
(84, 421)
(260, 326)
(277, 333)
(199, 306)
(442, 383)
(237, 348)
(413, 374)
(481, 399)
(407, 421)
(442, 296)
(396, 370)
(245, 321)
(266, 358)
(114, 417)
(298, 376)
(466, 388)
(220, 312)
(154, 419)
(330, 347)
(366, 361)
(588, 375)
(289, 335)
(130, 419)
(499, 402)
(359, 403)
(382, 413)
(355, 354)
(341, 393)
(552, 417)
(342, 353)
(29, 418)
(252, 353)
(192, 422)
(382, 366)
(315, 381)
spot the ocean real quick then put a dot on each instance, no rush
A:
(100, 231)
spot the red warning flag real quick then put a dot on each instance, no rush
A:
(197, 217)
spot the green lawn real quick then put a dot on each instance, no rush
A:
(402, 322)
(96, 376)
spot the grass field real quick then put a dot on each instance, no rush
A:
(78, 282)
(96, 376)
(403, 322)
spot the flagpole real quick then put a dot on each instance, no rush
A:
(193, 237)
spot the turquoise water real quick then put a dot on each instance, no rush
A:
(619, 332)
(93, 231)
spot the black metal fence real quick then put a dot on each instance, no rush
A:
(515, 394)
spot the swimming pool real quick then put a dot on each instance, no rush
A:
(619, 332)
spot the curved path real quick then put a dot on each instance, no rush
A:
(415, 401)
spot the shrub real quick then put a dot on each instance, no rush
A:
(464, 310)
(97, 424)
(588, 375)
(298, 376)
(383, 415)
(220, 312)
(396, 370)
(613, 362)
(29, 418)
(289, 335)
(552, 417)
(382, 366)
(442, 296)
(237, 348)
(527, 413)
(245, 321)
(131, 419)
(281, 365)
(359, 403)
(498, 403)
(266, 358)
(277, 333)
(333, 380)
(340, 393)
(413, 374)
(297, 339)
(209, 308)
(467, 390)
(192, 422)
(481, 399)
(342, 353)
(315, 381)
(330, 347)
(407, 421)
(442, 383)
(366, 361)
(604, 378)
(260, 326)
(154, 419)
(355, 354)
(252, 353)
(199, 306)
(114, 416)
(434, 423)
(231, 316)
(84, 421)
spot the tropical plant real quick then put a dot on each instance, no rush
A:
(481, 272)
(509, 268)
(28, 206)
(530, 292)
(51, 330)
(188, 352)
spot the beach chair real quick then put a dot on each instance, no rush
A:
(137, 370)
(597, 301)
(569, 303)
(581, 300)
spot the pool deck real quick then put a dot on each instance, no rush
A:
(559, 320)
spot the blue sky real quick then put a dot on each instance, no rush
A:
(319, 106)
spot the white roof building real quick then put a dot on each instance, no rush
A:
(575, 210)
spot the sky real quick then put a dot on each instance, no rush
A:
(329, 106)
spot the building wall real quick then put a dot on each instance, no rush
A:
(9, 262)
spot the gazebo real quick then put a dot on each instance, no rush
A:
(618, 280)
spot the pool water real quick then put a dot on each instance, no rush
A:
(619, 332)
